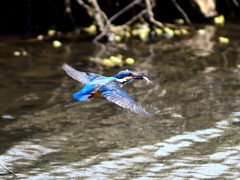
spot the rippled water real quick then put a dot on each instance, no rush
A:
(46, 134)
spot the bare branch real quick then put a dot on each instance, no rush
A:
(104, 23)
(101, 35)
(139, 15)
(182, 12)
(235, 2)
(120, 13)
(8, 170)
(115, 16)
(100, 16)
(151, 16)
(68, 10)
(87, 7)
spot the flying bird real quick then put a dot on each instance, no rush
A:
(108, 87)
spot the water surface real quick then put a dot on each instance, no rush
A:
(46, 134)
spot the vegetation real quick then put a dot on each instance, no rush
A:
(113, 20)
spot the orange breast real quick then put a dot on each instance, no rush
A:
(96, 92)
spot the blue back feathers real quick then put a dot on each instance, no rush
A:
(91, 87)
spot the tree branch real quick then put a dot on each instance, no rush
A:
(68, 11)
(235, 2)
(151, 16)
(100, 17)
(115, 16)
(182, 12)
(87, 7)
(8, 170)
(139, 15)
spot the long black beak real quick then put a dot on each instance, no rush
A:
(137, 76)
(141, 76)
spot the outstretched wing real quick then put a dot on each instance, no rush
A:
(114, 93)
(83, 77)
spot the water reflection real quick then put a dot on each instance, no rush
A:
(45, 134)
(177, 156)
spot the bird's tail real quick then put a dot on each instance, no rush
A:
(81, 97)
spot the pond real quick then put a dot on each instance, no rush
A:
(194, 98)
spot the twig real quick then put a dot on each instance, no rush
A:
(100, 16)
(87, 7)
(115, 16)
(8, 170)
(139, 15)
(182, 12)
(236, 3)
(151, 16)
(171, 26)
(103, 33)
(68, 11)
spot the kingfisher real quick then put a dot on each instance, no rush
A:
(108, 87)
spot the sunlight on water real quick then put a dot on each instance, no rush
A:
(166, 149)
(222, 155)
(143, 158)
(203, 171)
(24, 153)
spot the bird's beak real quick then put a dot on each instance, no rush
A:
(141, 76)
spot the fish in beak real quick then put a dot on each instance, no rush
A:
(141, 76)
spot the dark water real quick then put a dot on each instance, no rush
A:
(195, 98)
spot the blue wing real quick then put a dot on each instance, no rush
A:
(83, 77)
(114, 93)
(85, 92)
